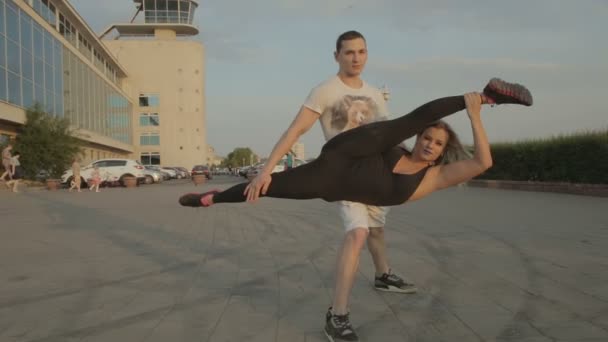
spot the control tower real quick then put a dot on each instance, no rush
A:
(165, 63)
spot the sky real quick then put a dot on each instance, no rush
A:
(263, 57)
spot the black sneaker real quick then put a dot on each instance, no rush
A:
(504, 92)
(196, 200)
(391, 282)
(338, 328)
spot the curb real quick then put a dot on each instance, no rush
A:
(598, 190)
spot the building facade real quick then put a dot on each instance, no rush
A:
(42, 61)
(130, 97)
(166, 71)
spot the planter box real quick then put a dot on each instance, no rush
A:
(199, 179)
(53, 184)
(129, 182)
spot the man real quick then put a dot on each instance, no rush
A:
(341, 103)
(289, 160)
(15, 172)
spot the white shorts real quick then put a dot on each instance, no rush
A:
(358, 215)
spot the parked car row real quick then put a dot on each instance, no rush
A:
(252, 171)
(202, 170)
(113, 171)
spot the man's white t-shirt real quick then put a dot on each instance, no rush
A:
(342, 108)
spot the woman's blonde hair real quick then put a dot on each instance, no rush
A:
(453, 150)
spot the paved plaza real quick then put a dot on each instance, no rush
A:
(132, 265)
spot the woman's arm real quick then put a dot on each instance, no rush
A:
(464, 170)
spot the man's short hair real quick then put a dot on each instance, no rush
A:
(348, 35)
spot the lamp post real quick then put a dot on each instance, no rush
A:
(385, 93)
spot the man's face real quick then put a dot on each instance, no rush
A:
(352, 57)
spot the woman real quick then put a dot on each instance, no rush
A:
(95, 179)
(363, 165)
(76, 179)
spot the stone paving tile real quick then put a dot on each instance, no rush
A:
(130, 264)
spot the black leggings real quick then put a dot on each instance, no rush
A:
(334, 175)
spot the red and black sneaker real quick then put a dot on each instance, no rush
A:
(198, 200)
(504, 92)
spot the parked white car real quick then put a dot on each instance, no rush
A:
(110, 170)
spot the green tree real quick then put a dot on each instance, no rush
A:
(240, 156)
(46, 142)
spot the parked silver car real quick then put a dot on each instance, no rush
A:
(152, 175)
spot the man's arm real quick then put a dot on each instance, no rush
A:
(303, 121)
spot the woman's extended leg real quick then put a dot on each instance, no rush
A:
(308, 181)
(379, 136)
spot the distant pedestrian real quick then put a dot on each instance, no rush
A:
(75, 184)
(6, 162)
(95, 179)
(16, 172)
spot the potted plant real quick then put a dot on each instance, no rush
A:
(46, 143)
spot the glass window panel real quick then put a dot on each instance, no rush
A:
(11, 5)
(48, 47)
(155, 159)
(48, 77)
(184, 6)
(27, 65)
(161, 4)
(2, 30)
(59, 104)
(3, 95)
(173, 16)
(2, 51)
(57, 54)
(14, 89)
(145, 159)
(28, 93)
(148, 4)
(154, 140)
(143, 120)
(38, 94)
(38, 44)
(161, 16)
(143, 140)
(12, 25)
(49, 102)
(172, 5)
(38, 71)
(14, 57)
(150, 17)
(26, 33)
(38, 6)
(154, 101)
(154, 120)
(143, 101)
(58, 75)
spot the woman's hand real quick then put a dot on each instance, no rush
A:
(258, 186)
(473, 103)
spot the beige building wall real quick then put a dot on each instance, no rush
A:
(173, 70)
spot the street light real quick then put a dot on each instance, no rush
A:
(385, 93)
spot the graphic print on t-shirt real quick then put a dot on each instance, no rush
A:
(349, 112)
